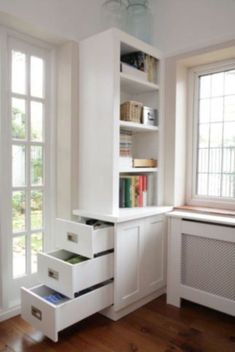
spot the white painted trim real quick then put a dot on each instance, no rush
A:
(116, 315)
(36, 47)
(192, 198)
(9, 313)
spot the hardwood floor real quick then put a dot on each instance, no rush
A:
(155, 327)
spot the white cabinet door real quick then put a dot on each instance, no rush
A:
(128, 254)
(140, 254)
(153, 255)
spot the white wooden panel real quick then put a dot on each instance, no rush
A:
(209, 230)
(153, 255)
(98, 111)
(83, 239)
(174, 262)
(207, 299)
(85, 305)
(127, 280)
(51, 318)
(69, 278)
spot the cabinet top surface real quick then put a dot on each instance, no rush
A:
(124, 214)
(190, 215)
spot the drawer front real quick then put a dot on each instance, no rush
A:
(69, 279)
(50, 319)
(83, 239)
(39, 313)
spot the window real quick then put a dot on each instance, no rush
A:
(213, 169)
(28, 146)
(28, 160)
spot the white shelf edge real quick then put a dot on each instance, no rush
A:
(134, 126)
(137, 170)
(124, 214)
(146, 84)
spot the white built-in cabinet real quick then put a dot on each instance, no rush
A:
(125, 264)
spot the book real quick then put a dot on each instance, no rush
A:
(140, 196)
(145, 190)
(144, 163)
(121, 192)
(128, 196)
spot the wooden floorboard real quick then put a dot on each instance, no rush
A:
(156, 327)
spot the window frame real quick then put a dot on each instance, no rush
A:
(9, 286)
(192, 137)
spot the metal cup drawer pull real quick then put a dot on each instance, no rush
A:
(72, 237)
(37, 313)
(53, 274)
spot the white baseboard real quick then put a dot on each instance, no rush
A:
(9, 313)
(116, 315)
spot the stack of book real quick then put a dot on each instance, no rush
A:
(141, 62)
(135, 191)
(125, 149)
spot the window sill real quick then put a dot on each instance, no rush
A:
(206, 210)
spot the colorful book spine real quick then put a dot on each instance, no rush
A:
(136, 191)
(145, 190)
(128, 196)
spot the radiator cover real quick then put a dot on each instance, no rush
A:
(208, 265)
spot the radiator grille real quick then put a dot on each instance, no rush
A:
(208, 265)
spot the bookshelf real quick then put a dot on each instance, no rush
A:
(103, 87)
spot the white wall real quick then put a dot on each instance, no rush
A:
(184, 25)
(180, 25)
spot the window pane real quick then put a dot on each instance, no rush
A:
(18, 118)
(229, 108)
(202, 184)
(214, 185)
(36, 121)
(18, 211)
(18, 75)
(229, 134)
(18, 166)
(19, 259)
(216, 109)
(217, 84)
(229, 160)
(215, 160)
(36, 77)
(203, 135)
(36, 246)
(205, 86)
(36, 210)
(230, 82)
(203, 160)
(216, 133)
(36, 165)
(228, 186)
(204, 114)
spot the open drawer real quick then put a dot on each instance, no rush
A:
(83, 239)
(50, 318)
(68, 278)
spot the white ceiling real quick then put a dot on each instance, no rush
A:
(179, 25)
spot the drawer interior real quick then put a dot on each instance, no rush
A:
(67, 256)
(45, 292)
(55, 298)
(94, 223)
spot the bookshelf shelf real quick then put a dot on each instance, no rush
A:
(137, 127)
(102, 135)
(133, 85)
(138, 170)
